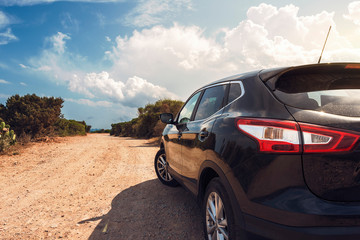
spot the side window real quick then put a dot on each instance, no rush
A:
(211, 102)
(235, 91)
(186, 111)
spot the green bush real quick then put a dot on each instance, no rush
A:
(64, 127)
(87, 127)
(32, 115)
(115, 129)
(147, 124)
(7, 137)
(102, 131)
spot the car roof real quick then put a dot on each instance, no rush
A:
(266, 74)
(234, 77)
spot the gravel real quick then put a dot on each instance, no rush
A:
(93, 187)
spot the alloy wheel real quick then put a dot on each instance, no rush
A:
(162, 168)
(216, 222)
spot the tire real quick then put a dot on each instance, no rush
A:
(161, 169)
(217, 213)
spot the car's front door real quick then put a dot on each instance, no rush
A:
(174, 157)
(197, 137)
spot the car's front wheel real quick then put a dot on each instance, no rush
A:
(161, 169)
(217, 212)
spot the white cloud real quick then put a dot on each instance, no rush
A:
(134, 92)
(59, 64)
(354, 12)
(23, 84)
(45, 68)
(23, 66)
(90, 102)
(159, 61)
(4, 20)
(139, 92)
(101, 83)
(170, 57)
(108, 39)
(6, 37)
(4, 82)
(285, 22)
(287, 38)
(151, 12)
(181, 56)
(58, 42)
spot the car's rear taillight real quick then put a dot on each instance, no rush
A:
(278, 136)
(272, 135)
(322, 139)
(352, 66)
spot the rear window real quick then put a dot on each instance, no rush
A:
(235, 91)
(329, 89)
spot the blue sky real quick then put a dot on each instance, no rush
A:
(107, 58)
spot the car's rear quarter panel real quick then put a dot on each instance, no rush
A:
(332, 176)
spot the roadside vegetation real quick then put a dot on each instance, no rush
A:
(33, 117)
(7, 136)
(147, 124)
(101, 131)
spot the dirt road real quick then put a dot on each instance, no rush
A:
(93, 187)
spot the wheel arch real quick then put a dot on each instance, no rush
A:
(207, 173)
(162, 145)
(210, 170)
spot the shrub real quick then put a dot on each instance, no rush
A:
(102, 131)
(64, 127)
(147, 124)
(32, 115)
(87, 127)
(115, 129)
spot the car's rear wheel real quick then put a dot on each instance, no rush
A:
(161, 169)
(217, 212)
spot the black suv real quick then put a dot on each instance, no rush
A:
(271, 154)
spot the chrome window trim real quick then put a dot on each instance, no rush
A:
(242, 90)
(217, 84)
(225, 83)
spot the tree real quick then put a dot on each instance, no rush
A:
(31, 114)
(147, 124)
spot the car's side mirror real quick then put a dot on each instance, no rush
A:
(167, 118)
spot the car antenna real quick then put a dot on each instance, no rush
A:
(324, 44)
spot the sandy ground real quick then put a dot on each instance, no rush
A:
(93, 187)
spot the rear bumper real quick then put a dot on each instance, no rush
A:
(298, 217)
(257, 228)
(297, 214)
